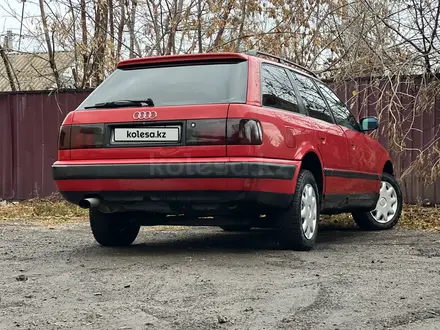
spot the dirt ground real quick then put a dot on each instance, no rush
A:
(203, 278)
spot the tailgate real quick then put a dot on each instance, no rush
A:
(152, 132)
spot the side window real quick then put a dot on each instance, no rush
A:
(313, 101)
(276, 89)
(342, 114)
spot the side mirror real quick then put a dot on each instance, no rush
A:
(369, 123)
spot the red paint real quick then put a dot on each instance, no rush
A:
(150, 153)
(273, 124)
(253, 92)
(122, 115)
(290, 135)
(263, 185)
(364, 152)
(176, 160)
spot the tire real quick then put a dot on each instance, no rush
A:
(239, 228)
(291, 232)
(113, 229)
(369, 221)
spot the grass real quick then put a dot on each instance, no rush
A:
(53, 211)
(46, 211)
(413, 217)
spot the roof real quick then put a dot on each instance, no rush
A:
(33, 71)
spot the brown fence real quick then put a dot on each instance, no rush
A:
(29, 124)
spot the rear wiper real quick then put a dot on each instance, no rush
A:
(122, 103)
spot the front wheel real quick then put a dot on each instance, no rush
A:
(113, 229)
(298, 225)
(388, 208)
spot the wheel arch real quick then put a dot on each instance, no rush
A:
(312, 162)
(388, 167)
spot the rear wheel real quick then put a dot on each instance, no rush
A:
(388, 208)
(113, 229)
(298, 225)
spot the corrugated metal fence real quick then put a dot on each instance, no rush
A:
(29, 124)
(365, 96)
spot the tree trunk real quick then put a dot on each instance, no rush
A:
(75, 70)
(8, 69)
(175, 18)
(199, 25)
(50, 50)
(120, 31)
(111, 18)
(101, 38)
(132, 25)
(223, 20)
(240, 31)
(85, 58)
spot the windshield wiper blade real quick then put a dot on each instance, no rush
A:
(122, 103)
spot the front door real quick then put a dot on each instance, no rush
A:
(363, 157)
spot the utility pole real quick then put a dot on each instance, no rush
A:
(21, 24)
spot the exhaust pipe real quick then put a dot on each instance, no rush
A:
(88, 203)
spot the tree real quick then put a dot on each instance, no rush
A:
(8, 68)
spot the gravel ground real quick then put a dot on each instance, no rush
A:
(203, 278)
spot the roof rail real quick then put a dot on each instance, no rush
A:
(280, 60)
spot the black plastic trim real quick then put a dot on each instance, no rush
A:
(352, 175)
(248, 199)
(258, 170)
(339, 203)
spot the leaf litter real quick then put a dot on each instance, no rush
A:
(53, 210)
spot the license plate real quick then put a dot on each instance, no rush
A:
(156, 134)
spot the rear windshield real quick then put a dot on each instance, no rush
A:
(186, 84)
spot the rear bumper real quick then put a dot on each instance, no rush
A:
(222, 202)
(173, 170)
(191, 182)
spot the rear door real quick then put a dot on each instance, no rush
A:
(188, 118)
(331, 140)
(284, 122)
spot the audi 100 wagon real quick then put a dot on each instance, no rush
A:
(222, 139)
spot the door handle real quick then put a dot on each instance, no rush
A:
(353, 146)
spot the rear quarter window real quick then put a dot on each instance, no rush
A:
(276, 89)
(176, 84)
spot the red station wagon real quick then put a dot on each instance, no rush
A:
(222, 139)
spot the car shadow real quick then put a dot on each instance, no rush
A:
(209, 241)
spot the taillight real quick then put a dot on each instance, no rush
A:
(206, 132)
(81, 136)
(244, 131)
(64, 138)
(233, 131)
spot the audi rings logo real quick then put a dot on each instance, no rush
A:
(144, 115)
